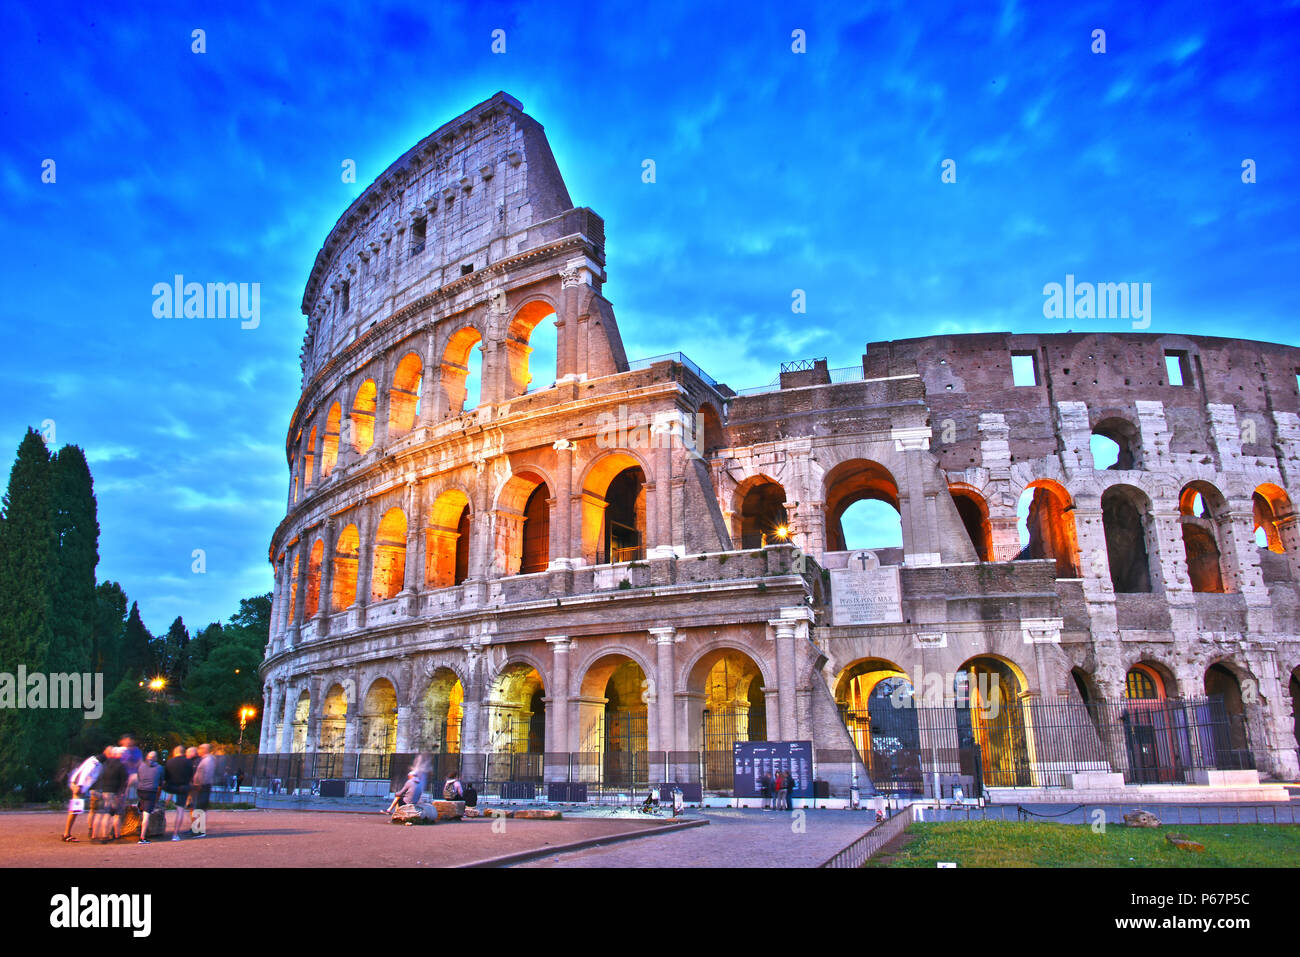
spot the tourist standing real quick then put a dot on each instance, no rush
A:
(149, 776)
(176, 782)
(779, 788)
(765, 789)
(81, 781)
(112, 793)
(201, 788)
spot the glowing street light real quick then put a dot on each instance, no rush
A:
(245, 713)
(157, 684)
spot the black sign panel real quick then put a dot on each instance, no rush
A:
(753, 759)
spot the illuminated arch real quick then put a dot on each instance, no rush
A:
(1200, 508)
(457, 367)
(444, 712)
(524, 375)
(761, 517)
(614, 509)
(330, 444)
(516, 710)
(974, 513)
(389, 567)
(347, 551)
(379, 718)
(1047, 528)
(363, 417)
(404, 396)
(856, 480)
(309, 458)
(314, 561)
(333, 721)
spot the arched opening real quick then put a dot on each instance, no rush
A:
(301, 714)
(404, 396)
(536, 549)
(1231, 739)
(293, 587)
(1269, 503)
(990, 715)
(1155, 727)
(344, 576)
(363, 418)
(313, 578)
(309, 458)
(444, 711)
(532, 348)
(878, 706)
(1125, 512)
(462, 371)
(378, 728)
(516, 713)
(612, 716)
(330, 444)
(1045, 516)
(614, 511)
(1294, 687)
(727, 704)
(1115, 445)
(447, 544)
(1199, 504)
(862, 508)
(389, 567)
(333, 720)
(763, 519)
(974, 514)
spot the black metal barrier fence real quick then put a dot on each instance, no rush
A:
(1034, 743)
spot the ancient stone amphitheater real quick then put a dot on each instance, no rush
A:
(613, 571)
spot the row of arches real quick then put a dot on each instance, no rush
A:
(726, 702)
(613, 525)
(351, 420)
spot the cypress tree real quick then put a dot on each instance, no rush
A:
(137, 647)
(109, 633)
(28, 570)
(77, 533)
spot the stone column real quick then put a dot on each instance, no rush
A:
(325, 599)
(268, 718)
(562, 552)
(1288, 529)
(430, 383)
(470, 733)
(414, 522)
(300, 600)
(352, 721)
(786, 632)
(286, 726)
(383, 387)
(664, 532)
(665, 638)
(558, 717)
(365, 562)
(566, 323)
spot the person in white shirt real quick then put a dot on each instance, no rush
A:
(80, 781)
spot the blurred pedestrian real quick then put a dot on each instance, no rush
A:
(149, 777)
(81, 781)
(409, 793)
(112, 795)
(201, 788)
(176, 782)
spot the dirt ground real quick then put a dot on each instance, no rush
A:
(265, 838)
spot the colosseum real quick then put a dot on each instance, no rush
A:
(615, 573)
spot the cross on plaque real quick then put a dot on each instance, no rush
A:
(863, 558)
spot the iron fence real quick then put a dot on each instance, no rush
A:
(1030, 743)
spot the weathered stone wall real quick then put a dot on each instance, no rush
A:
(926, 420)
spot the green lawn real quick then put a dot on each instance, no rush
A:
(1012, 844)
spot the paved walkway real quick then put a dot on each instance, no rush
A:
(734, 838)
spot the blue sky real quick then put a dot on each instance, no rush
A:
(775, 171)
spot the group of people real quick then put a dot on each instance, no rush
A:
(101, 786)
(413, 789)
(776, 791)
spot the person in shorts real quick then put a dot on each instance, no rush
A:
(149, 776)
(176, 783)
(112, 794)
(205, 772)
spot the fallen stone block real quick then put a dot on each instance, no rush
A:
(536, 814)
(1184, 843)
(131, 823)
(415, 814)
(1141, 819)
(449, 810)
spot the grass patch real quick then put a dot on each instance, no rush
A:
(1032, 844)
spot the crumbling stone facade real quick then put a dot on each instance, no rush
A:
(638, 557)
